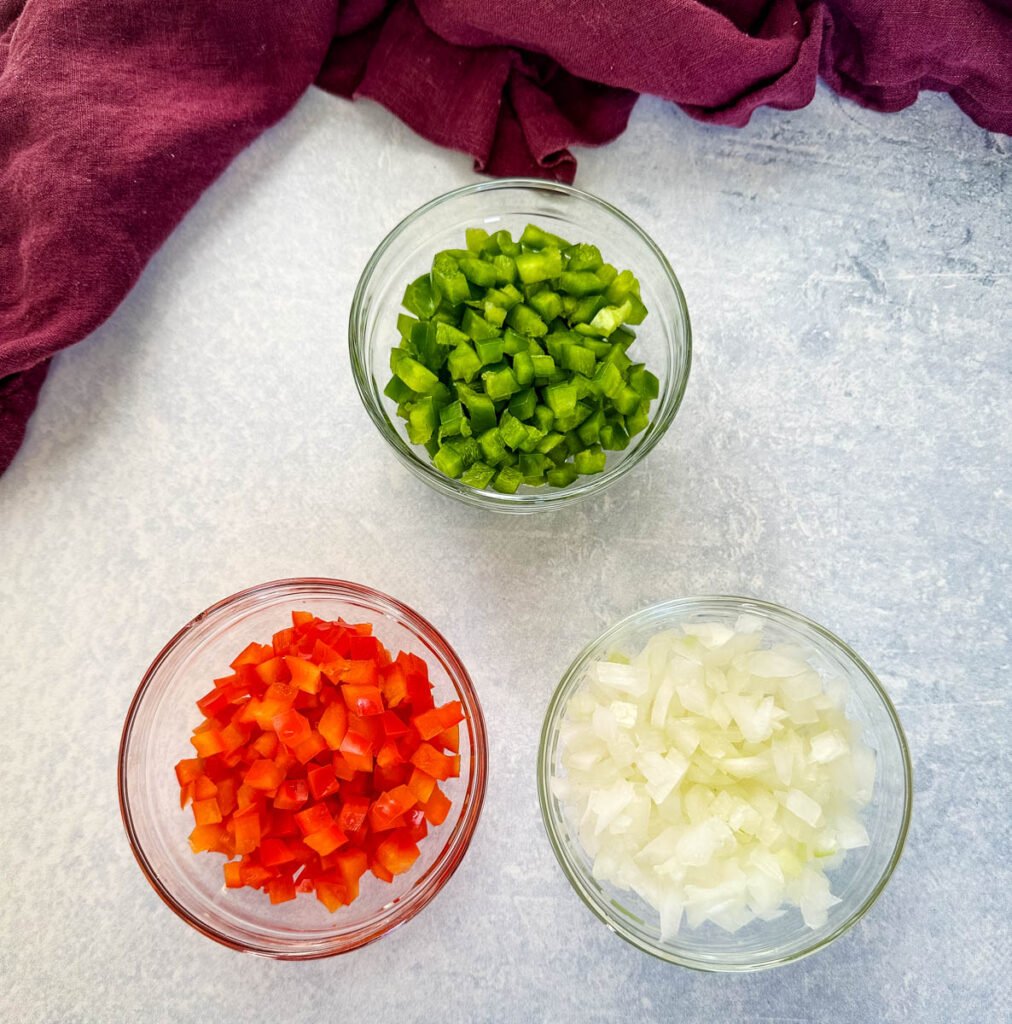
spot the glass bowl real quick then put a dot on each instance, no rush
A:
(155, 736)
(663, 341)
(860, 878)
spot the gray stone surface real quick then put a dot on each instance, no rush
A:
(843, 449)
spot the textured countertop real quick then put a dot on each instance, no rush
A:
(843, 449)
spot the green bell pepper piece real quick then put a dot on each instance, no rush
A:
(560, 398)
(463, 363)
(544, 366)
(627, 401)
(422, 421)
(643, 381)
(523, 367)
(547, 304)
(578, 359)
(524, 320)
(448, 462)
(489, 351)
(508, 480)
(479, 272)
(561, 476)
(583, 256)
(492, 446)
(478, 475)
(534, 267)
(544, 418)
(613, 437)
(417, 377)
(537, 238)
(447, 280)
(590, 460)
(476, 239)
(500, 384)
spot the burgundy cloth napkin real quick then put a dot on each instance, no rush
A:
(116, 114)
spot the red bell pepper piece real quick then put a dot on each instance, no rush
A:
(363, 700)
(305, 675)
(322, 781)
(390, 806)
(326, 840)
(397, 853)
(437, 807)
(264, 774)
(333, 724)
(309, 748)
(357, 751)
(274, 852)
(431, 761)
(291, 795)
(314, 818)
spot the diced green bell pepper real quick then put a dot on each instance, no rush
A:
(590, 460)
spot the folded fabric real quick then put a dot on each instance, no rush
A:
(115, 116)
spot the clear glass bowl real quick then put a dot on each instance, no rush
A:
(858, 881)
(663, 341)
(155, 737)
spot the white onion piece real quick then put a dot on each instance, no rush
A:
(717, 777)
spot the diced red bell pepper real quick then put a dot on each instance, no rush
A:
(213, 703)
(389, 806)
(353, 813)
(264, 774)
(364, 701)
(253, 654)
(360, 673)
(394, 727)
(208, 743)
(314, 818)
(281, 890)
(291, 795)
(380, 872)
(273, 670)
(309, 748)
(449, 739)
(292, 728)
(282, 640)
(266, 744)
(206, 812)
(322, 695)
(394, 685)
(189, 769)
(208, 837)
(357, 751)
(274, 852)
(416, 829)
(247, 829)
(331, 895)
(388, 755)
(397, 853)
(304, 674)
(326, 840)
(421, 784)
(226, 796)
(333, 724)
(431, 761)
(437, 807)
(342, 769)
(322, 781)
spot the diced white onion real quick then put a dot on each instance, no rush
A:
(716, 777)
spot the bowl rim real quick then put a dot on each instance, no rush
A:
(527, 501)
(457, 841)
(573, 675)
